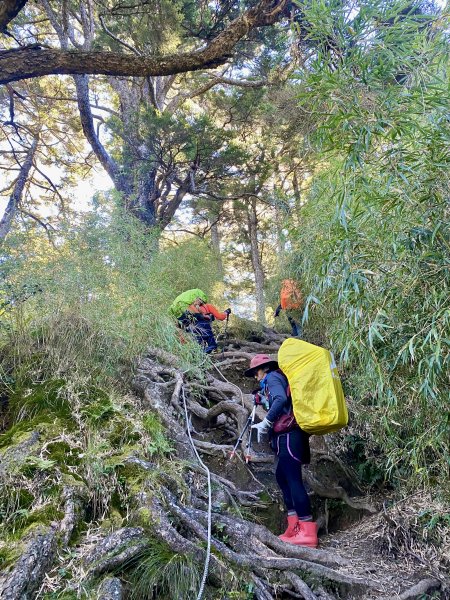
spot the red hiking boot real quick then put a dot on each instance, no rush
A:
(291, 528)
(306, 535)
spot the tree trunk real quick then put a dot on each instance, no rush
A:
(8, 10)
(297, 194)
(256, 262)
(215, 241)
(11, 208)
(279, 230)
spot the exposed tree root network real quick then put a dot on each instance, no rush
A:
(91, 549)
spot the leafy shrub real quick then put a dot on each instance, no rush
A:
(372, 251)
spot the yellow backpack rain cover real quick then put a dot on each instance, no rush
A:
(317, 396)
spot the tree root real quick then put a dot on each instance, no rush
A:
(74, 501)
(337, 492)
(269, 562)
(245, 346)
(419, 590)
(300, 586)
(181, 520)
(112, 552)
(110, 589)
(28, 572)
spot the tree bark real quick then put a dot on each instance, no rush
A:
(87, 123)
(252, 220)
(8, 10)
(26, 576)
(35, 61)
(297, 193)
(279, 230)
(11, 208)
(215, 242)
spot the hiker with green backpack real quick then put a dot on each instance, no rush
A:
(195, 315)
(305, 397)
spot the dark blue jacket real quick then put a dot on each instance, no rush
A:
(275, 389)
(292, 445)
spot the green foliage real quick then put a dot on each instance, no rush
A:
(159, 444)
(100, 299)
(76, 319)
(164, 574)
(374, 235)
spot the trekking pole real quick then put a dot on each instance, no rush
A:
(249, 422)
(225, 334)
(249, 442)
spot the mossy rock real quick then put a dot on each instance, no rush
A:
(17, 448)
(20, 444)
(16, 435)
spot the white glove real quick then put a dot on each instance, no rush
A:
(262, 428)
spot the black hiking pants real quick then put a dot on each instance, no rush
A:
(289, 474)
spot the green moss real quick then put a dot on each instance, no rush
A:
(29, 398)
(15, 435)
(63, 454)
(9, 553)
(45, 424)
(26, 521)
(143, 518)
(122, 432)
(113, 521)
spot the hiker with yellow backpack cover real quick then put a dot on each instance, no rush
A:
(305, 397)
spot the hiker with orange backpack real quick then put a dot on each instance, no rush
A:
(291, 299)
(291, 445)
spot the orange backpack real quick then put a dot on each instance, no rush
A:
(290, 295)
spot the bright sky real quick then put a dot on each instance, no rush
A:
(82, 194)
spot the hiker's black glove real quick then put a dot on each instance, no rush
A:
(228, 311)
(277, 312)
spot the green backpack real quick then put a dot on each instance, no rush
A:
(184, 300)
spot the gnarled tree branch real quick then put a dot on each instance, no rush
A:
(35, 61)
